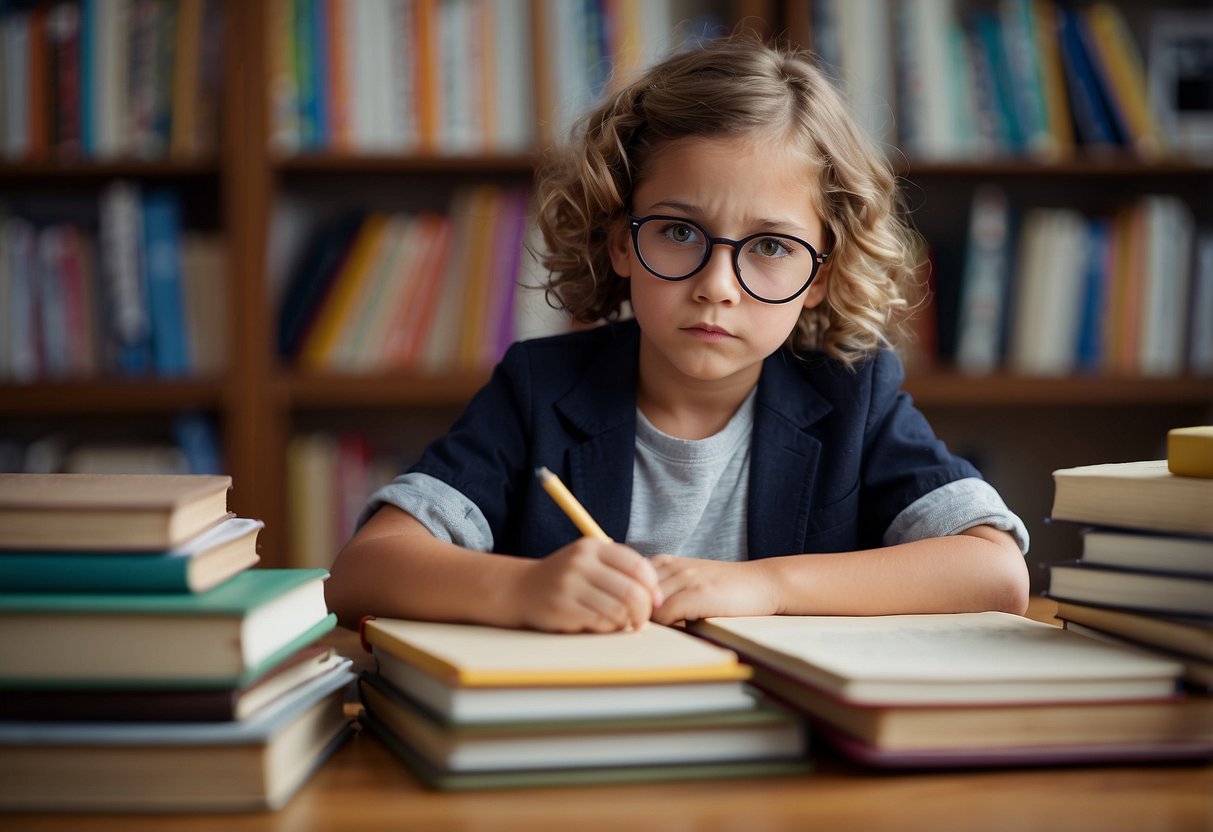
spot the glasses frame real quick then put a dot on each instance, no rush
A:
(634, 223)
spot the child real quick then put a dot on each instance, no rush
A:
(743, 439)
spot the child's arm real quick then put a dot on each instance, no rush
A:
(978, 569)
(394, 567)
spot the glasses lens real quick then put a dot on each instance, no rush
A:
(671, 248)
(775, 267)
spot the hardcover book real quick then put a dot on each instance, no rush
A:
(107, 512)
(222, 638)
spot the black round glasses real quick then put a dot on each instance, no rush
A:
(772, 268)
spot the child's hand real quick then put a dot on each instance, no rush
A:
(589, 585)
(695, 588)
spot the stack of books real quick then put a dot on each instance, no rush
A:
(143, 665)
(1145, 576)
(481, 707)
(969, 689)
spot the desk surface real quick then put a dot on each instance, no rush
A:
(363, 787)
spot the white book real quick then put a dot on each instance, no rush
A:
(867, 65)
(1049, 288)
(963, 658)
(1166, 278)
(109, 76)
(1200, 338)
(513, 101)
(538, 703)
(1162, 552)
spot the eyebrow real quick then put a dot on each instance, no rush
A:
(761, 223)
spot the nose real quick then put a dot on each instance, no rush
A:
(717, 282)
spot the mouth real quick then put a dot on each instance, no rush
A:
(710, 332)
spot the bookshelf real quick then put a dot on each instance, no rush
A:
(260, 403)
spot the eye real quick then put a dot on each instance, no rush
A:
(772, 247)
(680, 232)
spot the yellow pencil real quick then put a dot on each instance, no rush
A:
(569, 505)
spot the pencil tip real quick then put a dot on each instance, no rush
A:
(542, 472)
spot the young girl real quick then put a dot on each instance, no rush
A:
(743, 440)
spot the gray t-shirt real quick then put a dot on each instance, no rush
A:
(689, 497)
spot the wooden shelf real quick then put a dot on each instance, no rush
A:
(87, 169)
(954, 389)
(1111, 165)
(110, 396)
(332, 391)
(405, 163)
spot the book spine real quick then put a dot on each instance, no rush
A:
(162, 277)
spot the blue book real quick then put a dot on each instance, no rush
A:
(222, 638)
(161, 265)
(1089, 350)
(1092, 121)
(214, 556)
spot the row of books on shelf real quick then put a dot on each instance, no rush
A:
(329, 478)
(1019, 77)
(464, 82)
(431, 292)
(144, 664)
(126, 291)
(110, 78)
(1145, 575)
(1054, 292)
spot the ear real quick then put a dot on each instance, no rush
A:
(619, 245)
(816, 292)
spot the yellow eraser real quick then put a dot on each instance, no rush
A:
(1190, 451)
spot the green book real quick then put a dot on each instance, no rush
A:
(222, 638)
(203, 563)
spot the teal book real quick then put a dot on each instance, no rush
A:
(222, 638)
(203, 563)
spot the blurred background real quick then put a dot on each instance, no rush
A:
(287, 239)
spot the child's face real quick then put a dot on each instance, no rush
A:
(706, 328)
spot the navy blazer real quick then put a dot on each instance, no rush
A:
(837, 453)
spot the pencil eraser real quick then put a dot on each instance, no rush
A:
(1190, 451)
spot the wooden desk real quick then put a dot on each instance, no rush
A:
(364, 787)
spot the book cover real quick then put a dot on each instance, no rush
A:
(962, 658)
(473, 655)
(224, 637)
(1131, 589)
(200, 564)
(764, 732)
(1135, 495)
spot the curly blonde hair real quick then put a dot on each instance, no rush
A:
(730, 87)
